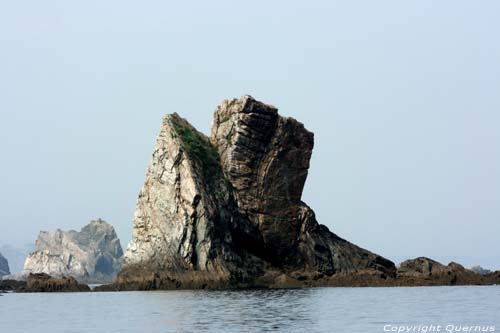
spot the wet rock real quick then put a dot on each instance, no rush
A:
(93, 254)
(493, 277)
(42, 282)
(427, 272)
(10, 285)
(421, 265)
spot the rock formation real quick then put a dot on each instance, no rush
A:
(415, 272)
(265, 158)
(420, 265)
(92, 255)
(41, 282)
(226, 211)
(4, 266)
(427, 272)
(479, 270)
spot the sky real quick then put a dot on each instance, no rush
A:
(403, 98)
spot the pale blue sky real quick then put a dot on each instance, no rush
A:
(403, 97)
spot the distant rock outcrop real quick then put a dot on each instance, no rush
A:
(416, 272)
(479, 270)
(17, 256)
(4, 266)
(92, 255)
(427, 272)
(421, 265)
(41, 282)
(226, 211)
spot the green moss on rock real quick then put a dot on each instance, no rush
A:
(198, 148)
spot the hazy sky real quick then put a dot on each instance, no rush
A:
(403, 98)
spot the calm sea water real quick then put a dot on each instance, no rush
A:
(301, 310)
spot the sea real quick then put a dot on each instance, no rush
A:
(401, 309)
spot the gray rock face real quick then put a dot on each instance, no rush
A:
(93, 255)
(184, 214)
(479, 270)
(226, 211)
(4, 266)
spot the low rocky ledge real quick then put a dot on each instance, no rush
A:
(42, 282)
(411, 273)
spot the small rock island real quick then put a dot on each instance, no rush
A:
(226, 211)
(92, 255)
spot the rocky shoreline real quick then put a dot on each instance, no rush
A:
(411, 273)
(42, 282)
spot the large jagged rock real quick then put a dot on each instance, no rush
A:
(226, 211)
(266, 159)
(92, 255)
(4, 266)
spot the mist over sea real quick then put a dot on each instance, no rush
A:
(294, 310)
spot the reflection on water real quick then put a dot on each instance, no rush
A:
(300, 310)
(256, 310)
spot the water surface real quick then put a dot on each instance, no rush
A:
(299, 310)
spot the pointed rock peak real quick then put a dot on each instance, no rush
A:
(99, 223)
(181, 206)
(94, 230)
(195, 144)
